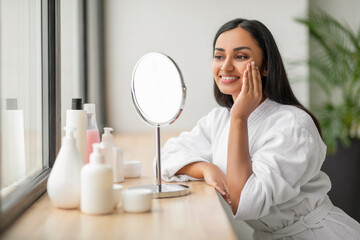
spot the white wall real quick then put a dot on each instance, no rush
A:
(184, 30)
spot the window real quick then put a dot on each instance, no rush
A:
(31, 91)
(29, 100)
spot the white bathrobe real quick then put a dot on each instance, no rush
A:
(287, 152)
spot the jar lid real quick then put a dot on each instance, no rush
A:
(76, 104)
(137, 194)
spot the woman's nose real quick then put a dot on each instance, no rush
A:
(227, 65)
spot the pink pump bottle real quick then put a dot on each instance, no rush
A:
(92, 132)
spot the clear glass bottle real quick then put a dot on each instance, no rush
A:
(92, 131)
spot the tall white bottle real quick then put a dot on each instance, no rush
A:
(63, 185)
(76, 117)
(96, 185)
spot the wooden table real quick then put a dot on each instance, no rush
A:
(199, 215)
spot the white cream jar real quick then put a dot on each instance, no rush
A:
(136, 200)
(132, 169)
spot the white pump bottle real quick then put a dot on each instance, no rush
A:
(63, 185)
(97, 185)
(113, 155)
(107, 142)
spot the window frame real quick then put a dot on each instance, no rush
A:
(13, 205)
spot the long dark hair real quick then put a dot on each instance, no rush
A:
(275, 85)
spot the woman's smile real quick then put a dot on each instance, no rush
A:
(226, 79)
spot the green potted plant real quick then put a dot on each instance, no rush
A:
(334, 64)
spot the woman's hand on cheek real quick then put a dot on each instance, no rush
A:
(250, 94)
(216, 178)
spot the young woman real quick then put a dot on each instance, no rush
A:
(262, 150)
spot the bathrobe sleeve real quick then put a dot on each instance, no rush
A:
(189, 147)
(284, 160)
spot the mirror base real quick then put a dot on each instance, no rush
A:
(166, 190)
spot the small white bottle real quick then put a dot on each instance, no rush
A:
(76, 117)
(63, 185)
(107, 142)
(97, 185)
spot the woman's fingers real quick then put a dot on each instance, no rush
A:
(259, 80)
(220, 189)
(245, 83)
(227, 198)
(227, 190)
(215, 178)
(256, 78)
(223, 193)
(250, 77)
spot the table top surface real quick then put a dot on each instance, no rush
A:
(198, 215)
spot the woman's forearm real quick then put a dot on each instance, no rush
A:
(239, 167)
(195, 169)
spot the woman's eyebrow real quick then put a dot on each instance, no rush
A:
(235, 49)
(241, 48)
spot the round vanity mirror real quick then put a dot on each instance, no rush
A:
(158, 89)
(158, 93)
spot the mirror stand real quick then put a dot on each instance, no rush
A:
(163, 190)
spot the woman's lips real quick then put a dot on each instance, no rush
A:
(228, 78)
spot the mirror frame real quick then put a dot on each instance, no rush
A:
(136, 104)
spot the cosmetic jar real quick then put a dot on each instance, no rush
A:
(117, 188)
(132, 169)
(136, 200)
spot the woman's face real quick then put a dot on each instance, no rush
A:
(234, 49)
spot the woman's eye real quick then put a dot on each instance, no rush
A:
(241, 57)
(218, 57)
